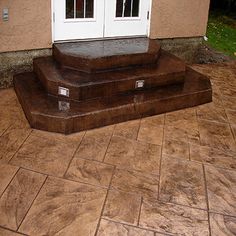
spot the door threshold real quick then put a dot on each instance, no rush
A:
(99, 39)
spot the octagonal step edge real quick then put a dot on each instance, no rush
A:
(102, 55)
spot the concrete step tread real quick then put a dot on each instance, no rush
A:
(102, 55)
(67, 116)
(168, 70)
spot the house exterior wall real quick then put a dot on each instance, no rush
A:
(29, 25)
(179, 18)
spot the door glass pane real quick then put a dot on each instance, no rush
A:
(89, 8)
(119, 8)
(69, 9)
(135, 9)
(127, 8)
(79, 8)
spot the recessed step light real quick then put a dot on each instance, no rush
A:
(63, 91)
(139, 84)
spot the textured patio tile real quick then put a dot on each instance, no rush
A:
(64, 208)
(4, 124)
(212, 112)
(8, 99)
(176, 148)
(91, 172)
(222, 225)
(182, 182)
(122, 207)
(11, 112)
(216, 135)
(8, 96)
(213, 156)
(48, 153)
(185, 120)
(95, 143)
(229, 102)
(221, 188)
(17, 198)
(136, 182)
(173, 219)
(128, 129)
(233, 128)
(228, 91)
(203, 68)
(231, 115)
(217, 97)
(11, 141)
(194, 136)
(151, 130)
(6, 174)
(131, 154)
(108, 228)
(154, 120)
(5, 232)
(174, 133)
(181, 118)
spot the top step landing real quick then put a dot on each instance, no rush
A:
(102, 55)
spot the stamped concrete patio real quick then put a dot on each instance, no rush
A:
(164, 175)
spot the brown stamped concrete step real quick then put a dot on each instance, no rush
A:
(82, 86)
(54, 114)
(102, 55)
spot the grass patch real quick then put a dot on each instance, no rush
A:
(221, 33)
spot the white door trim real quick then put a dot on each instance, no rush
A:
(53, 23)
(150, 18)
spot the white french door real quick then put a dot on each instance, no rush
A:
(78, 19)
(126, 18)
(86, 19)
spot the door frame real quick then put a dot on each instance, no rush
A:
(69, 40)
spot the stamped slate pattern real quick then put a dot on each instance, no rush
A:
(182, 182)
(95, 143)
(221, 188)
(11, 141)
(108, 228)
(122, 207)
(213, 156)
(133, 155)
(135, 182)
(6, 174)
(216, 135)
(17, 199)
(222, 225)
(147, 177)
(6, 232)
(173, 219)
(74, 207)
(128, 129)
(48, 153)
(176, 148)
(151, 130)
(90, 172)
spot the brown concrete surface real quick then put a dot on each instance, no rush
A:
(168, 174)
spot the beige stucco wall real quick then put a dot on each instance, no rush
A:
(29, 25)
(179, 18)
